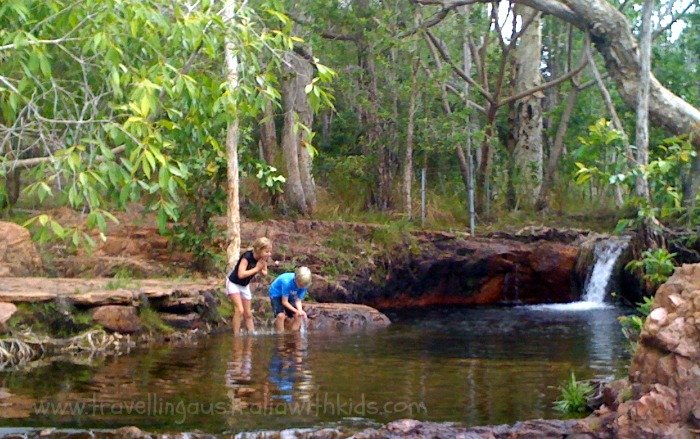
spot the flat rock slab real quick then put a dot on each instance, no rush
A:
(99, 292)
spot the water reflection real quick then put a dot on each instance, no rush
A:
(478, 366)
(288, 367)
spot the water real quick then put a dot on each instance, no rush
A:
(597, 284)
(475, 366)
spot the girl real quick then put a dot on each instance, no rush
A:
(249, 264)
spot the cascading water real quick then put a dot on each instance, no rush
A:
(605, 254)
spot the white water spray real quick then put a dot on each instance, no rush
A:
(605, 254)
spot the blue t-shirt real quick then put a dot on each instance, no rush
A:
(284, 286)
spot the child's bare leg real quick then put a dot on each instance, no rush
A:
(279, 322)
(248, 316)
(296, 323)
(237, 313)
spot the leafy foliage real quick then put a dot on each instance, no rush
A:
(657, 265)
(573, 396)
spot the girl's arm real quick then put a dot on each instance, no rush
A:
(243, 271)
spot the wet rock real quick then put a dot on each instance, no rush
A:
(180, 321)
(7, 310)
(410, 428)
(18, 256)
(457, 271)
(116, 318)
(337, 316)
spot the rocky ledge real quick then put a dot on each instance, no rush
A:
(40, 317)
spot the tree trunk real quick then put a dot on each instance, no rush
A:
(268, 135)
(294, 190)
(556, 152)
(408, 155)
(642, 133)
(527, 131)
(233, 217)
(611, 34)
(306, 117)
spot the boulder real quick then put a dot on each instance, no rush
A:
(18, 256)
(180, 321)
(7, 310)
(117, 318)
(338, 316)
(664, 376)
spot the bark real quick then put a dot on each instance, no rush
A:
(371, 121)
(268, 135)
(408, 155)
(294, 190)
(642, 133)
(233, 218)
(527, 128)
(461, 158)
(306, 117)
(557, 150)
(612, 36)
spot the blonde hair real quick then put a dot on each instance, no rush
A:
(260, 244)
(302, 277)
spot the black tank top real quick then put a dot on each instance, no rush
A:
(252, 262)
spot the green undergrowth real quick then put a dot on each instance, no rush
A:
(52, 320)
(152, 322)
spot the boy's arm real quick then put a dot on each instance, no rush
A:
(286, 304)
(299, 308)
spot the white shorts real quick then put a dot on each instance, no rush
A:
(244, 291)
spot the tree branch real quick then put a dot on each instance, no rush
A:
(446, 57)
(546, 85)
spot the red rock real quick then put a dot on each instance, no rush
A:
(7, 310)
(116, 318)
(18, 256)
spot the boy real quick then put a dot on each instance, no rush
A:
(286, 294)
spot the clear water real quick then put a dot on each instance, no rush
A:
(476, 366)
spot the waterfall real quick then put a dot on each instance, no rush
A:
(605, 253)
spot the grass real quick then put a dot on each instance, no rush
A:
(151, 321)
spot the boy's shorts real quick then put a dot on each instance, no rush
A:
(277, 307)
(244, 291)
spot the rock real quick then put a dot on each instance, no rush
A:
(663, 397)
(410, 428)
(337, 316)
(7, 310)
(179, 303)
(178, 321)
(18, 256)
(116, 318)
(103, 298)
(458, 271)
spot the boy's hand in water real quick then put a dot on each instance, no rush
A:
(302, 314)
